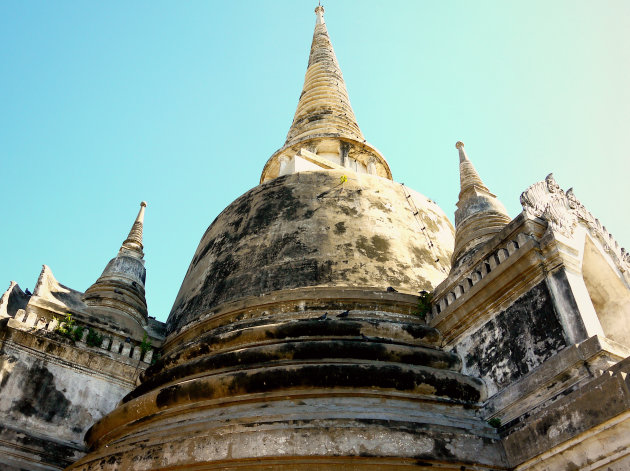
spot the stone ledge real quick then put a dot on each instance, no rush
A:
(571, 366)
(385, 429)
(573, 418)
(296, 299)
(28, 449)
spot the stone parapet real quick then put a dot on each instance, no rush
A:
(44, 329)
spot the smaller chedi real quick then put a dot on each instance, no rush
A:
(67, 358)
(334, 319)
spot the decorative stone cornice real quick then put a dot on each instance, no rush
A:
(563, 212)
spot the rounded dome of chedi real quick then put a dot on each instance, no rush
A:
(313, 229)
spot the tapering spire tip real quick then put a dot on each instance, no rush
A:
(319, 11)
(143, 204)
(459, 145)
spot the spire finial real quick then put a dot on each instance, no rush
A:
(319, 11)
(133, 242)
(459, 145)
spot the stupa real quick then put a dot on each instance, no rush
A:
(334, 319)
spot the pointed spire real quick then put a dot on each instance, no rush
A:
(324, 122)
(479, 215)
(120, 288)
(324, 106)
(468, 176)
(133, 242)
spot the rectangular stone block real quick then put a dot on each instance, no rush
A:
(137, 353)
(20, 315)
(148, 356)
(31, 319)
(52, 325)
(115, 348)
(126, 349)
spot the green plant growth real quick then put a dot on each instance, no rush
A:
(424, 304)
(68, 328)
(94, 339)
(156, 358)
(77, 333)
(495, 422)
(145, 346)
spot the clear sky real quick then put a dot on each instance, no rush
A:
(105, 104)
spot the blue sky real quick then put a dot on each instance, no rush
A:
(105, 104)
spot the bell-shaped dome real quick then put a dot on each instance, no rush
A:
(319, 228)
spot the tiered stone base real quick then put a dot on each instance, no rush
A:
(304, 379)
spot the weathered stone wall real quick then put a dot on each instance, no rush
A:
(51, 392)
(52, 388)
(515, 341)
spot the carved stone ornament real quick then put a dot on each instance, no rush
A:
(547, 201)
(562, 211)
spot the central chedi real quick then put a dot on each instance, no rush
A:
(293, 342)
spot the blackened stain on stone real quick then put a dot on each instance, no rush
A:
(422, 463)
(376, 248)
(70, 299)
(517, 340)
(305, 328)
(60, 455)
(275, 237)
(441, 449)
(304, 350)
(40, 398)
(288, 246)
(309, 213)
(423, 255)
(383, 376)
(348, 211)
(167, 396)
(5, 378)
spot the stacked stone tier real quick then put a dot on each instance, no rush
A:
(260, 364)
